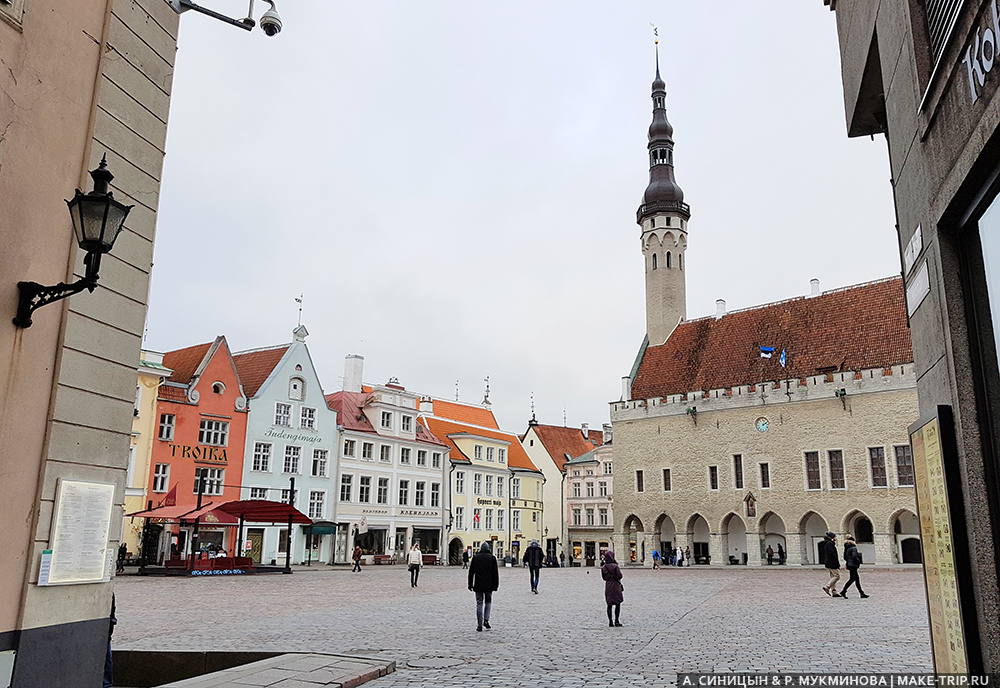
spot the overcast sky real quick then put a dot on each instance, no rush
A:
(453, 184)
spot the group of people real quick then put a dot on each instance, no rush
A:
(830, 558)
(780, 554)
(672, 557)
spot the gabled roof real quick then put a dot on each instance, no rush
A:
(854, 328)
(350, 415)
(185, 362)
(443, 428)
(563, 443)
(256, 366)
(465, 413)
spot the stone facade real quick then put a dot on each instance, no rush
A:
(732, 518)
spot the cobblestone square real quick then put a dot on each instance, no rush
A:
(696, 619)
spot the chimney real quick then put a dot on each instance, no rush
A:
(626, 388)
(813, 287)
(427, 405)
(607, 433)
(354, 366)
(585, 429)
(720, 308)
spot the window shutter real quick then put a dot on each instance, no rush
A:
(941, 16)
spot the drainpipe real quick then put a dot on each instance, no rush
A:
(447, 545)
(564, 530)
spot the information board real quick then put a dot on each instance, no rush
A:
(78, 538)
(937, 535)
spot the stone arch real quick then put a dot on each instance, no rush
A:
(635, 541)
(669, 239)
(812, 527)
(858, 524)
(632, 522)
(905, 530)
(771, 530)
(733, 531)
(664, 534)
(455, 549)
(699, 535)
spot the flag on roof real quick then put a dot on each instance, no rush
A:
(783, 359)
(766, 351)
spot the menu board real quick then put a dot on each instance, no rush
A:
(936, 533)
(78, 539)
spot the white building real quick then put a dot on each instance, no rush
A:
(291, 433)
(391, 486)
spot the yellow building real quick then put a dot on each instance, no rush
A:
(152, 373)
(496, 492)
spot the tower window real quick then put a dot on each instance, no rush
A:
(669, 221)
(654, 261)
(680, 261)
(668, 260)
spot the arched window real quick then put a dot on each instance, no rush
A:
(668, 221)
(297, 389)
(654, 261)
(680, 261)
(218, 387)
(668, 260)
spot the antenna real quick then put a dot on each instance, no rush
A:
(298, 300)
(456, 390)
(486, 394)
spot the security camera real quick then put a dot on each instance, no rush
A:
(270, 22)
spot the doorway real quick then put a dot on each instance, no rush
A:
(255, 536)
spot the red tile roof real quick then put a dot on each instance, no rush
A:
(184, 362)
(349, 405)
(854, 328)
(563, 443)
(170, 393)
(442, 428)
(255, 366)
(465, 413)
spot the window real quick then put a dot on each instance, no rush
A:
(590, 517)
(297, 389)
(836, 460)
(287, 497)
(261, 456)
(477, 484)
(602, 488)
(404, 455)
(500, 519)
(435, 459)
(316, 499)
(435, 494)
(421, 457)
(307, 418)
(167, 421)
(876, 459)
(419, 489)
(904, 465)
(382, 496)
(404, 492)
(490, 451)
(218, 388)
(515, 488)
(489, 519)
(161, 477)
(713, 477)
(365, 489)
(385, 453)
(213, 480)
(515, 519)
(478, 451)
(292, 455)
(345, 487)
(258, 493)
(499, 486)
(366, 450)
(765, 476)
(654, 261)
(349, 447)
(639, 482)
(738, 471)
(603, 516)
(607, 468)
(813, 480)
(489, 486)
(502, 455)
(460, 482)
(283, 414)
(387, 420)
(407, 423)
(668, 260)
(319, 463)
(940, 16)
(590, 489)
(476, 519)
(459, 518)
(214, 433)
(576, 489)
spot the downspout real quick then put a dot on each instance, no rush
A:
(447, 545)
(564, 534)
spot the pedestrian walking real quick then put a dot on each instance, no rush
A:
(852, 562)
(484, 580)
(656, 558)
(533, 557)
(122, 555)
(770, 555)
(357, 559)
(415, 561)
(465, 559)
(613, 588)
(828, 557)
(679, 557)
(781, 555)
(562, 559)
(687, 555)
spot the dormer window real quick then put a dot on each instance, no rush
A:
(296, 389)
(218, 387)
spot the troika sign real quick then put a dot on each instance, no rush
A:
(980, 54)
(199, 453)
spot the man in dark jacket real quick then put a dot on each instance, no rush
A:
(829, 558)
(484, 579)
(533, 558)
(852, 561)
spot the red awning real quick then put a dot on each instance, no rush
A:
(170, 512)
(211, 514)
(264, 511)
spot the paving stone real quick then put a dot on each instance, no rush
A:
(265, 677)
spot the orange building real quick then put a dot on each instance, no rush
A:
(201, 432)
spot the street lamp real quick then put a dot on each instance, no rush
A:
(97, 220)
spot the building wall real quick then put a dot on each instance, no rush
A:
(79, 80)
(650, 437)
(552, 490)
(144, 429)
(666, 302)
(583, 472)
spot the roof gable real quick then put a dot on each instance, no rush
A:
(184, 362)
(443, 428)
(256, 366)
(563, 443)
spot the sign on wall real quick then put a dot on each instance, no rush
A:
(81, 524)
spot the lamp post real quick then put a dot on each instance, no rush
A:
(97, 219)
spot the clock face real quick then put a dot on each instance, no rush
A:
(762, 424)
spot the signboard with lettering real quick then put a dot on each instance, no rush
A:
(81, 523)
(199, 453)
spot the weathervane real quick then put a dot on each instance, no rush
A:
(533, 420)
(298, 300)
(486, 394)
(456, 390)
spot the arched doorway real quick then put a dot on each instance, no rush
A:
(734, 540)
(906, 530)
(697, 528)
(666, 535)
(634, 540)
(813, 528)
(860, 526)
(455, 548)
(772, 534)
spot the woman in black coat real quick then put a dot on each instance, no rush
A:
(852, 561)
(484, 579)
(613, 588)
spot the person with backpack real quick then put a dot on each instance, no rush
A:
(852, 562)
(484, 580)
(829, 558)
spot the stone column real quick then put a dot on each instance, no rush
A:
(753, 549)
(885, 549)
(715, 550)
(795, 549)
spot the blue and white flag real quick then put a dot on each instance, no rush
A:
(783, 359)
(766, 351)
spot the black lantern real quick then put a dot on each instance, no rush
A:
(97, 220)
